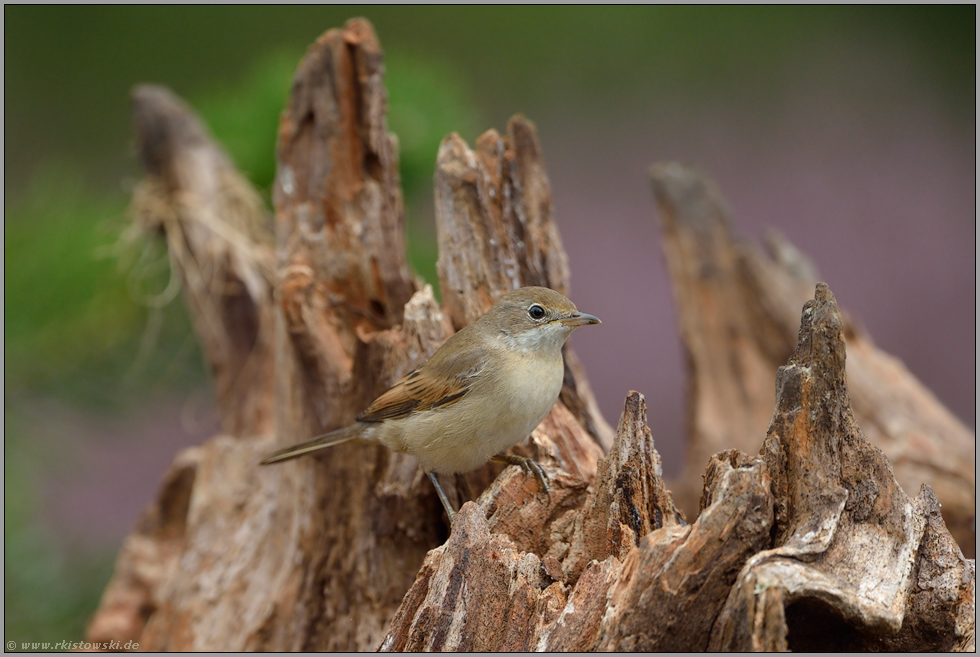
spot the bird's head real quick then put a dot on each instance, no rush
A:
(536, 318)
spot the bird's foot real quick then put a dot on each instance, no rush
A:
(529, 466)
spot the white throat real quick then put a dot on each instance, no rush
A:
(543, 340)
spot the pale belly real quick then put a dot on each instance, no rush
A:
(465, 435)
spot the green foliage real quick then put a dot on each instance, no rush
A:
(61, 303)
(427, 101)
(75, 326)
(244, 116)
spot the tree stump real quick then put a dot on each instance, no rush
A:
(738, 315)
(350, 550)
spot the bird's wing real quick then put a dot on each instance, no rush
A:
(443, 380)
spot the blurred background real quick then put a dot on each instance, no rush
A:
(851, 130)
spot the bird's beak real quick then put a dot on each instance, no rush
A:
(580, 319)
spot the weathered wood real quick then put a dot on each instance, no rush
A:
(812, 545)
(493, 220)
(344, 282)
(315, 554)
(618, 571)
(220, 244)
(536, 574)
(738, 318)
(496, 234)
(348, 550)
(851, 566)
(318, 553)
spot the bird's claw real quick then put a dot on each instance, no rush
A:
(529, 466)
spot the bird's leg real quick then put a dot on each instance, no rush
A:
(442, 496)
(527, 465)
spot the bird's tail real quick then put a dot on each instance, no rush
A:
(343, 435)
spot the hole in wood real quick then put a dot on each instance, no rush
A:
(813, 626)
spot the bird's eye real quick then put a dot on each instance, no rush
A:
(535, 312)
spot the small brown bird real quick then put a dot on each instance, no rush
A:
(481, 393)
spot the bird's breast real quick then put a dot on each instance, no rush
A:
(500, 411)
(523, 397)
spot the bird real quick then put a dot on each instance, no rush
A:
(483, 391)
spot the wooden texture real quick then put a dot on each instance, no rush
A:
(851, 565)
(496, 234)
(315, 554)
(811, 544)
(738, 311)
(220, 243)
(536, 573)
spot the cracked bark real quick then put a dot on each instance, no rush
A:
(349, 550)
(850, 557)
(738, 312)
(812, 545)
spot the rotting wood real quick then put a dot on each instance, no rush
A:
(220, 242)
(811, 545)
(317, 554)
(537, 573)
(738, 310)
(348, 550)
(496, 234)
(493, 221)
(851, 566)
